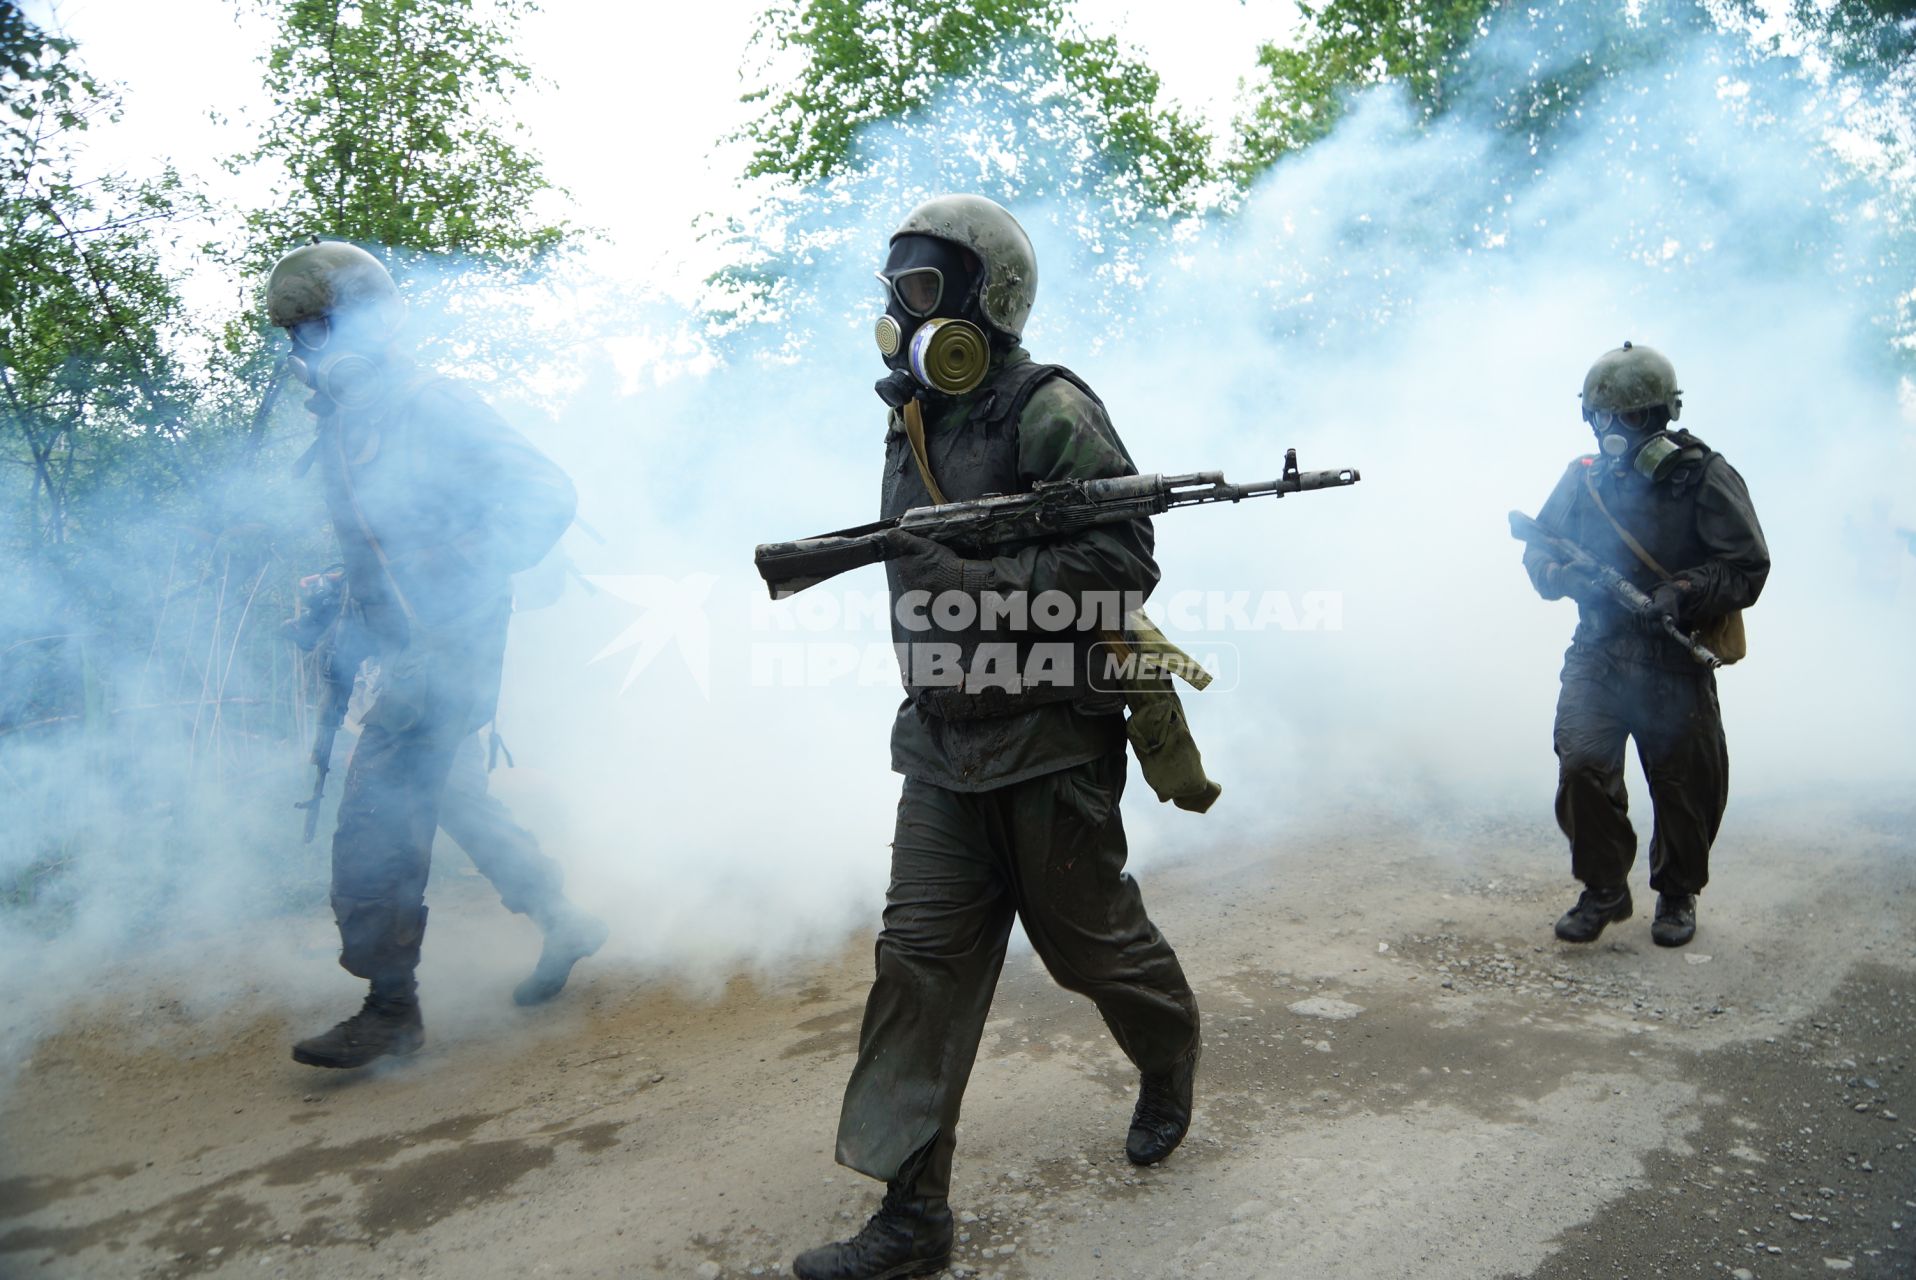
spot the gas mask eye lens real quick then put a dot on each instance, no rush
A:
(917, 290)
(312, 334)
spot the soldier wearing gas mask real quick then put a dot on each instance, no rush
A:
(1011, 785)
(1672, 515)
(435, 501)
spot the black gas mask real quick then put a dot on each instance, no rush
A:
(932, 333)
(1638, 439)
(342, 357)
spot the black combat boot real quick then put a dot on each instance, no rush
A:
(1595, 909)
(388, 1022)
(910, 1235)
(1675, 922)
(570, 936)
(1163, 1113)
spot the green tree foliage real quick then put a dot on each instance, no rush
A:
(1871, 48)
(860, 61)
(1861, 54)
(391, 122)
(1011, 98)
(1343, 45)
(85, 305)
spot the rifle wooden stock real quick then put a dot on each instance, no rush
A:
(790, 567)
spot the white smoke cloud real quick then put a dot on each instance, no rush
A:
(1418, 302)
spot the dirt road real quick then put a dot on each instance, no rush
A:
(1405, 1075)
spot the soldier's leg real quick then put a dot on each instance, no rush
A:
(1687, 762)
(1085, 916)
(382, 848)
(382, 852)
(948, 915)
(528, 881)
(1592, 806)
(1087, 922)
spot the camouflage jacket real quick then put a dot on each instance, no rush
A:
(1062, 433)
(436, 502)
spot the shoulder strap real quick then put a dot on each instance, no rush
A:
(1636, 548)
(1005, 401)
(366, 530)
(915, 432)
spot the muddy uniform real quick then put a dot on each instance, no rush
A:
(1622, 681)
(435, 501)
(1010, 799)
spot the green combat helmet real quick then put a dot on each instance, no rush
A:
(984, 227)
(330, 279)
(1631, 378)
(343, 312)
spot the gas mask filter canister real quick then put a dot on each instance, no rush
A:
(347, 378)
(1654, 458)
(949, 355)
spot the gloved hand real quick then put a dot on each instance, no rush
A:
(1666, 601)
(924, 565)
(1560, 580)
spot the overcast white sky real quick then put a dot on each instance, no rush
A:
(639, 95)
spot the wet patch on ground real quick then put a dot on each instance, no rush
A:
(398, 1190)
(1804, 1163)
(829, 1033)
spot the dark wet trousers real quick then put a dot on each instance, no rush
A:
(401, 787)
(1050, 851)
(1678, 727)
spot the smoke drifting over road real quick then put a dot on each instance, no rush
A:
(1418, 301)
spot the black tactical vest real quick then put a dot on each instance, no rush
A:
(1660, 515)
(971, 456)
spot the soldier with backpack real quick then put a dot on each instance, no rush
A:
(1674, 519)
(435, 502)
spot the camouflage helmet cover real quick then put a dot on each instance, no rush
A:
(1630, 378)
(327, 279)
(987, 229)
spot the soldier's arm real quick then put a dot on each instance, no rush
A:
(1739, 560)
(1554, 515)
(1064, 435)
(521, 501)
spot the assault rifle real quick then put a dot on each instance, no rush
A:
(1566, 552)
(328, 628)
(1052, 508)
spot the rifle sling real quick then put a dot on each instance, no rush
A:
(1636, 548)
(1169, 764)
(365, 529)
(915, 432)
